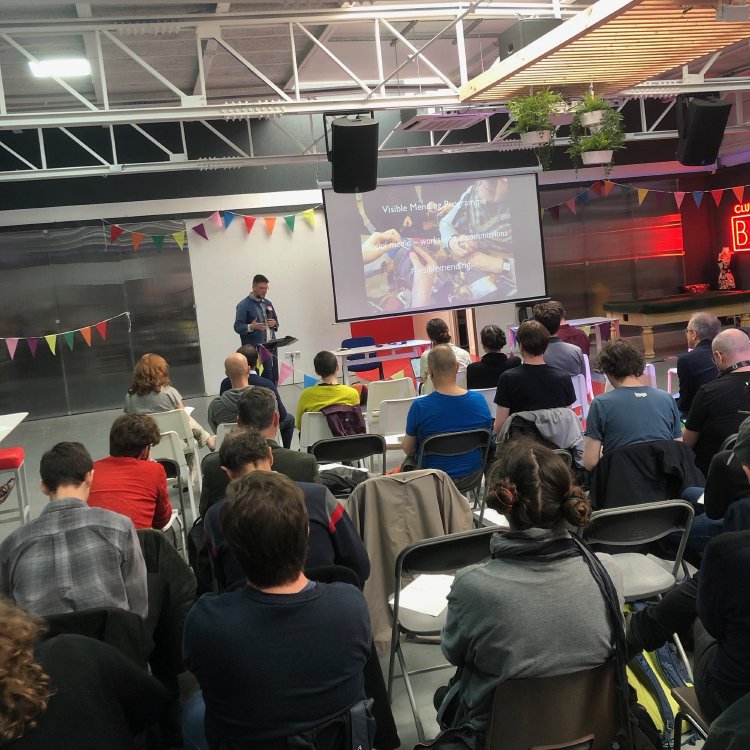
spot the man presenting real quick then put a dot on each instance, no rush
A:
(256, 321)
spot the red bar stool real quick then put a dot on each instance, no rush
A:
(12, 460)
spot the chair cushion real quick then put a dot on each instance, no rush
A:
(11, 458)
(642, 577)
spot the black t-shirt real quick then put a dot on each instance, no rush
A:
(532, 387)
(715, 414)
(725, 483)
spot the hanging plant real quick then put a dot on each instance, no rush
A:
(596, 144)
(592, 110)
(532, 120)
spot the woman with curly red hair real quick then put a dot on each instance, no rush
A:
(69, 691)
(152, 391)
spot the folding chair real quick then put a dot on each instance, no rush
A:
(444, 554)
(587, 372)
(489, 397)
(382, 390)
(350, 448)
(314, 427)
(671, 375)
(582, 400)
(170, 454)
(355, 343)
(689, 711)
(178, 421)
(529, 713)
(458, 444)
(391, 423)
(461, 378)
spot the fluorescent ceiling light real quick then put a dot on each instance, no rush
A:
(76, 67)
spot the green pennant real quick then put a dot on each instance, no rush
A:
(69, 336)
(290, 221)
(625, 190)
(158, 241)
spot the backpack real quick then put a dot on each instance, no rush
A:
(199, 558)
(344, 420)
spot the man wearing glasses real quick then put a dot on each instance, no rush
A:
(696, 367)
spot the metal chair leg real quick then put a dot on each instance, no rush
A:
(410, 694)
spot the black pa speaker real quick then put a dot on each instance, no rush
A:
(354, 155)
(700, 125)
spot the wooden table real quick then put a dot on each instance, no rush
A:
(9, 422)
(648, 313)
(382, 352)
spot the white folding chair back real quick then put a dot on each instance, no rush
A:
(381, 390)
(392, 421)
(314, 427)
(650, 371)
(579, 387)
(671, 375)
(489, 397)
(178, 420)
(587, 368)
(222, 431)
(461, 378)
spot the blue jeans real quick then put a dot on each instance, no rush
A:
(193, 714)
(704, 529)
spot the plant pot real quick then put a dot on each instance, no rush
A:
(592, 119)
(536, 137)
(596, 157)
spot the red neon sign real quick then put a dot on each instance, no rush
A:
(741, 228)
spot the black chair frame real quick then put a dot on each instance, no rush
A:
(350, 448)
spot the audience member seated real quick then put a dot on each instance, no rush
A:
(486, 372)
(632, 412)
(717, 596)
(697, 367)
(512, 616)
(715, 412)
(128, 482)
(69, 691)
(560, 354)
(328, 391)
(535, 384)
(250, 354)
(73, 557)
(152, 391)
(438, 333)
(280, 655)
(257, 409)
(449, 408)
(223, 409)
(332, 539)
(572, 334)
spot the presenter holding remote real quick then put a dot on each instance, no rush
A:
(256, 322)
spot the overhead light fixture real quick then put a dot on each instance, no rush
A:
(74, 67)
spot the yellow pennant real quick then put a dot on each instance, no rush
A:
(51, 340)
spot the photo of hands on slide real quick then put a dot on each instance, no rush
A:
(430, 245)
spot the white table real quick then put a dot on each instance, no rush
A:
(612, 323)
(9, 422)
(383, 353)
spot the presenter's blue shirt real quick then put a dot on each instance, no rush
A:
(254, 310)
(436, 413)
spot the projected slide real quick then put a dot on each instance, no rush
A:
(435, 245)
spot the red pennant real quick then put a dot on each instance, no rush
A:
(717, 195)
(101, 329)
(598, 188)
(114, 233)
(201, 230)
(555, 211)
(739, 192)
(86, 333)
(679, 196)
(249, 222)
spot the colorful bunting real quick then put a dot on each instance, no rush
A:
(285, 371)
(598, 188)
(642, 193)
(739, 193)
(51, 340)
(158, 241)
(555, 212)
(201, 230)
(309, 216)
(584, 198)
(264, 355)
(33, 342)
(228, 218)
(571, 204)
(625, 190)
(215, 217)
(679, 197)
(608, 185)
(179, 238)
(717, 195)
(101, 329)
(12, 344)
(249, 221)
(398, 375)
(309, 381)
(86, 333)
(114, 233)
(137, 238)
(69, 337)
(697, 197)
(290, 222)
(270, 224)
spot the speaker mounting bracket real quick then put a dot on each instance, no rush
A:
(346, 113)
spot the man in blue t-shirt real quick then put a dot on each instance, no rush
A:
(449, 408)
(632, 412)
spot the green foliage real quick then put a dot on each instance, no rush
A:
(609, 137)
(592, 103)
(533, 112)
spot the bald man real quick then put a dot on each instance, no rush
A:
(715, 411)
(240, 370)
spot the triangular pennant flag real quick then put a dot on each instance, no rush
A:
(228, 218)
(309, 216)
(608, 185)
(179, 238)
(625, 190)
(660, 198)
(285, 372)
(679, 196)
(541, 213)
(137, 238)
(584, 197)
(259, 369)
(249, 221)
(555, 212)
(571, 204)
(739, 193)
(51, 340)
(201, 230)
(290, 221)
(697, 197)
(13, 343)
(69, 337)
(308, 381)
(642, 193)
(33, 342)
(270, 223)
(586, 330)
(398, 375)
(101, 329)
(215, 217)
(114, 233)
(86, 333)
(158, 241)
(598, 188)
(717, 195)
(264, 354)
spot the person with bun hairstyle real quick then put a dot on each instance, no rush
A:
(439, 333)
(486, 372)
(534, 609)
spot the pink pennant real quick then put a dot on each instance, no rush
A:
(679, 197)
(33, 342)
(216, 219)
(571, 204)
(12, 344)
(201, 230)
(717, 195)
(285, 372)
(739, 193)
(264, 354)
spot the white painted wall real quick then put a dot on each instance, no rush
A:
(504, 315)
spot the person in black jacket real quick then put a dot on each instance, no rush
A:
(486, 372)
(696, 367)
